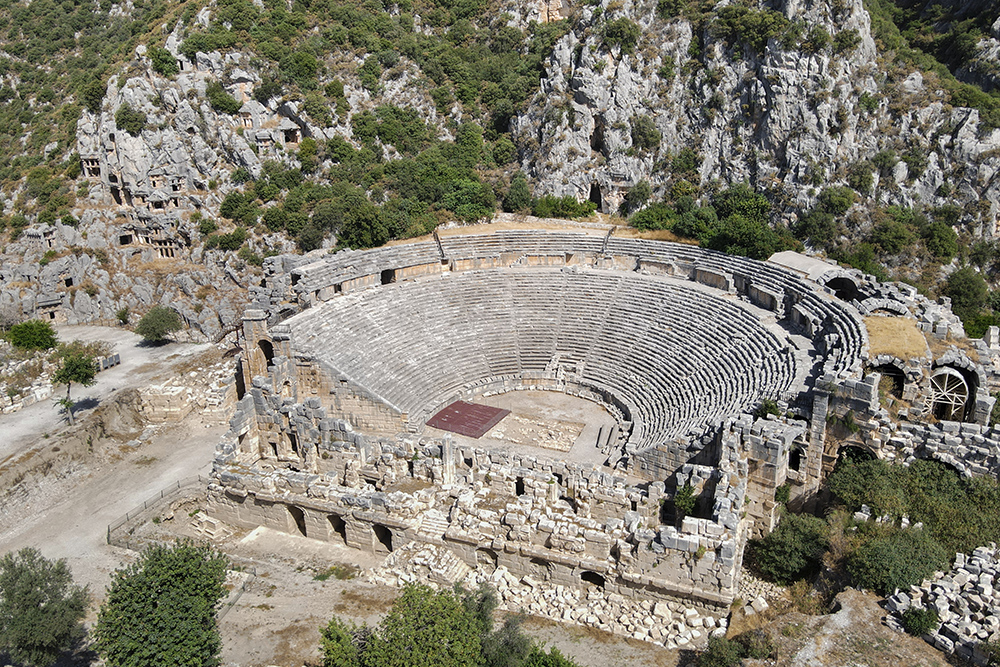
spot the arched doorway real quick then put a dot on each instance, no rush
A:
(844, 288)
(949, 394)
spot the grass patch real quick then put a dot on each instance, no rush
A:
(895, 336)
(339, 571)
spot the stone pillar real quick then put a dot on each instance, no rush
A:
(447, 461)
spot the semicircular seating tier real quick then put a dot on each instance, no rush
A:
(672, 355)
(836, 328)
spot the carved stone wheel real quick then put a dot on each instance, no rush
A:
(949, 394)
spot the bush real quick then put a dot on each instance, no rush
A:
(645, 135)
(32, 335)
(519, 196)
(163, 61)
(130, 120)
(897, 559)
(793, 550)
(158, 323)
(622, 33)
(940, 240)
(220, 100)
(756, 645)
(721, 652)
(919, 622)
(684, 502)
(967, 290)
(562, 207)
(41, 609)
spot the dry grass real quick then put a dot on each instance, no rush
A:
(896, 336)
(653, 235)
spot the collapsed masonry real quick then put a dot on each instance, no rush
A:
(346, 358)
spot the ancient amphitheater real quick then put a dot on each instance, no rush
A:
(347, 358)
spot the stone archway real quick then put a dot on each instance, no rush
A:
(949, 394)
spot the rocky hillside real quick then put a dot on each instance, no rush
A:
(160, 157)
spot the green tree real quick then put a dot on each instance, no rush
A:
(792, 550)
(220, 100)
(623, 33)
(158, 323)
(41, 609)
(967, 290)
(519, 196)
(129, 119)
(898, 559)
(337, 644)
(32, 335)
(76, 367)
(645, 134)
(161, 610)
(425, 628)
(636, 197)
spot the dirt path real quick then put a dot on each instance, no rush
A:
(139, 363)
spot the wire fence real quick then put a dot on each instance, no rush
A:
(120, 531)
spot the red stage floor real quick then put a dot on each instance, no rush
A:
(467, 419)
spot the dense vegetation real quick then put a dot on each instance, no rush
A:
(424, 627)
(957, 514)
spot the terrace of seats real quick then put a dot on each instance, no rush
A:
(836, 328)
(675, 355)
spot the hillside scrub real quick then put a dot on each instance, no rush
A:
(958, 515)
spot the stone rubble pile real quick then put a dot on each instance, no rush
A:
(751, 589)
(667, 623)
(966, 601)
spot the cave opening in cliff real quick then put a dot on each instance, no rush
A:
(597, 136)
(116, 195)
(595, 194)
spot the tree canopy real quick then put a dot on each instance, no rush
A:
(161, 610)
(425, 628)
(41, 609)
(158, 323)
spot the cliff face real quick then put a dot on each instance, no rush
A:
(689, 100)
(787, 120)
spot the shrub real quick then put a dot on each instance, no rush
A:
(130, 120)
(656, 216)
(793, 550)
(919, 622)
(163, 61)
(622, 33)
(220, 100)
(562, 207)
(158, 323)
(645, 135)
(756, 645)
(684, 501)
(32, 335)
(940, 240)
(897, 559)
(968, 291)
(519, 196)
(636, 197)
(721, 652)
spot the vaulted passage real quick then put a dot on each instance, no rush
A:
(383, 535)
(298, 518)
(338, 526)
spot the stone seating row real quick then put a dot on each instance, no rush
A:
(674, 355)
